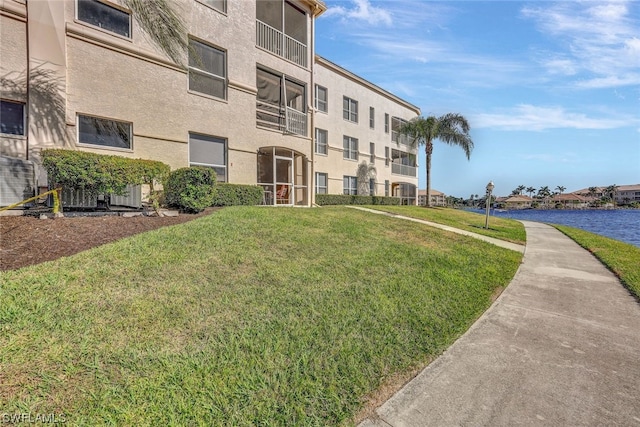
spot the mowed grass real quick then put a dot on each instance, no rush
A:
(500, 228)
(621, 258)
(249, 316)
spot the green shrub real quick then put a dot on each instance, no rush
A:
(100, 173)
(191, 189)
(237, 194)
(346, 199)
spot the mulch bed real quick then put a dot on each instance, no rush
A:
(27, 240)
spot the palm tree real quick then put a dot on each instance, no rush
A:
(164, 25)
(365, 173)
(544, 193)
(451, 128)
(611, 192)
(530, 190)
(520, 189)
(560, 188)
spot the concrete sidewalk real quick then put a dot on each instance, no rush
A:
(560, 347)
(493, 241)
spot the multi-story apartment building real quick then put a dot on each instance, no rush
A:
(82, 74)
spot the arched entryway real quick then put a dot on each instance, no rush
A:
(282, 173)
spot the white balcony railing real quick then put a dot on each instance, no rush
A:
(275, 41)
(400, 138)
(296, 121)
(405, 170)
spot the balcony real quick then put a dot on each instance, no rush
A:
(280, 44)
(400, 169)
(285, 119)
(400, 139)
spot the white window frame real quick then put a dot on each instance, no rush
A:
(322, 105)
(322, 148)
(101, 146)
(350, 148)
(349, 185)
(210, 5)
(322, 189)
(109, 5)
(386, 122)
(349, 109)
(208, 73)
(214, 140)
(372, 118)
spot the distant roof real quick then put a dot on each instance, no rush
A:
(632, 187)
(570, 197)
(433, 192)
(519, 198)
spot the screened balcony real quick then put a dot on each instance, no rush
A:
(281, 28)
(280, 103)
(403, 163)
(405, 170)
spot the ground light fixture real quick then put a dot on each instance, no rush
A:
(487, 203)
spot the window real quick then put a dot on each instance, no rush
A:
(350, 109)
(207, 69)
(372, 117)
(386, 156)
(220, 5)
(321, 183)
(321, 99)
(372, 187)
(281, 102)
(12, 118)
(209, 151)
(321, 141)
(386, 188)
(350, 185)
(386, 123)
(350, 146)
(104, 16)
(104, 132)
(372, 151)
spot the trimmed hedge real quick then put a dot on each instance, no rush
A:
(191, 189)
(346, 199)
(100, 173)
(236, 194)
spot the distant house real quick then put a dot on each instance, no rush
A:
(625, 194)
(438, 198)
(517, 202)
(572, 200)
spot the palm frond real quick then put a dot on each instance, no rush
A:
(160, 20)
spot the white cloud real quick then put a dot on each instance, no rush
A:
(363, 10)
(600, 40)
(535, 118)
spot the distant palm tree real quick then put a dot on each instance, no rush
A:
(593, 191)
(530, 190)
(451, 128)
(610, 191)
(515, 192)
(365, 173)
(520, 189)
(544, 193)
(560, 189)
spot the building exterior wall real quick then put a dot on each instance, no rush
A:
(95, 72)
(340, 83)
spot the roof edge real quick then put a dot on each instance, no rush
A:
(350, 75)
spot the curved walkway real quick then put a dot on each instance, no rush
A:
(559, 347)
(492, 240)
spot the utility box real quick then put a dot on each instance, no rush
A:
(17, 180)
(132, 199)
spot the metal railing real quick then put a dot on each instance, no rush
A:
(275, 41)
(296, 121)
(275, 117)
(399, 138)
(405, 170)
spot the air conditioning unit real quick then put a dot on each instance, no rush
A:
(17, 180)
(132, 198)
(78, 198)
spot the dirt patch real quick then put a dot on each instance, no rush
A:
(26, 240)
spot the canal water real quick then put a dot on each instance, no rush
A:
(619, 224)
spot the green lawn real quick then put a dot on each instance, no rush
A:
(249, 316)
(621, 258)
(500, 228)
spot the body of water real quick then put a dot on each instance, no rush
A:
(619, 224)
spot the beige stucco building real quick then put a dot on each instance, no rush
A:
(82, 74)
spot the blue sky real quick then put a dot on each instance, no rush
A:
(551, 89)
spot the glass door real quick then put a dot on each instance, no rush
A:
(284, 180)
